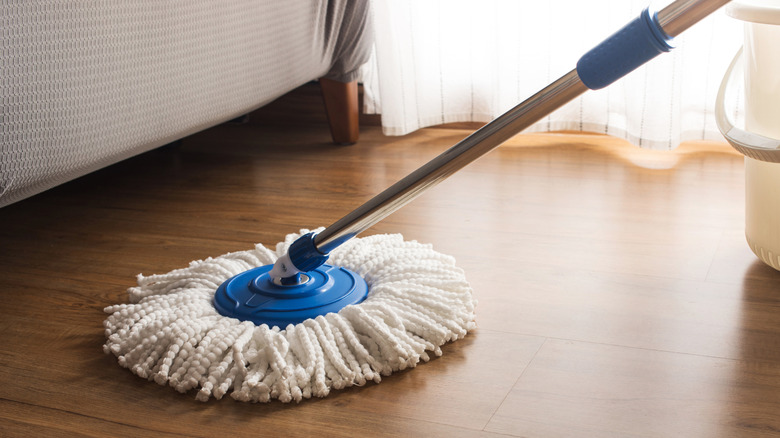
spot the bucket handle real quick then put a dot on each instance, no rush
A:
(748, 143)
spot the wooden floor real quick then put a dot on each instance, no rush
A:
(617, 295)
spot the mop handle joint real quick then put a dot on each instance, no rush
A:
(301, 256)
(305, 255)
(633, 45)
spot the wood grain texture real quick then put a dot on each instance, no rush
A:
(617, 296)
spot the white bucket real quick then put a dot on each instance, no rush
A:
(761, 65)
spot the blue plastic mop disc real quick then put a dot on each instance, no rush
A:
(254, 296)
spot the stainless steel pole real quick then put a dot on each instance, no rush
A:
(466, 151)
(674, 19)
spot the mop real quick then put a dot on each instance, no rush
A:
(261, 324)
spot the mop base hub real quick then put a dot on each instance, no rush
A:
(254, 295)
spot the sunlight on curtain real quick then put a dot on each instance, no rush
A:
(453, 60)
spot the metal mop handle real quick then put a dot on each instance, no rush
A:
(633, 45)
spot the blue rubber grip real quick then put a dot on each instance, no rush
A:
(636, 43)
(304, 254)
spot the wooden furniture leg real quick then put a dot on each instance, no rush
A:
(341, 105)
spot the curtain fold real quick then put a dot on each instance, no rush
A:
(458, 60)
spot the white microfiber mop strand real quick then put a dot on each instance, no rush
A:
(418, 300)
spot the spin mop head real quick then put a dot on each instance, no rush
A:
(417, 301)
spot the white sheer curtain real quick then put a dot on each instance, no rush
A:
(467, 60)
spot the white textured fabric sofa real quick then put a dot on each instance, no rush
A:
(86, 84)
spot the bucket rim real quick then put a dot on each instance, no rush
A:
(755, 11)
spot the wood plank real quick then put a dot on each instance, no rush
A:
(589, 390)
